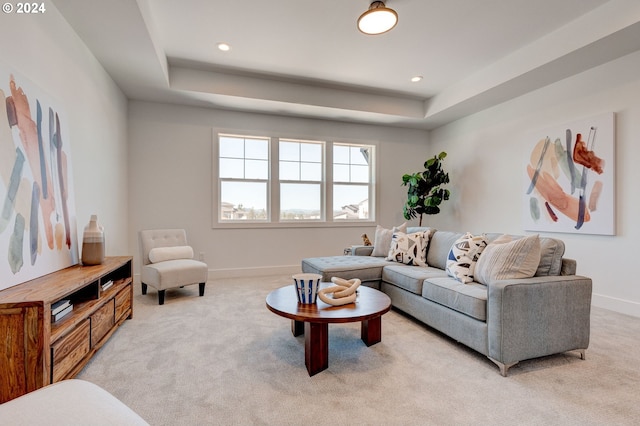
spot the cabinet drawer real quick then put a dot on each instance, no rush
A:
(101, 322)
(123, 302)
(67, 352)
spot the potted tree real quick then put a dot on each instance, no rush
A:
(425, 192)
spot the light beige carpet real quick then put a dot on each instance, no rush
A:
(224, 359)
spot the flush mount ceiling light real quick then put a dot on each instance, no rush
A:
(378, 19)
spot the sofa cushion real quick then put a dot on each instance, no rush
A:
(366, 268)
(463, 256)
(505, 259)
(469, 299)
(382, 240)
(439, 245)
(551, 252)
(410, 278)
(410, 249)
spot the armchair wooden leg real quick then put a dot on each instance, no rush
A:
(144, 288)
(201, 288)
(160, 297)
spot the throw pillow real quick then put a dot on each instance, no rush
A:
(506, 259)
(463, 256)
(161, 254)
(410, 249)
(382, 240)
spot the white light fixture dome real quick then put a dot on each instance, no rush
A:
(378, 19)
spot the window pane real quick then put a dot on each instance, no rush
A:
(340, 154)
(360, 174)
(257, 169)
(311, 171)
(300, 201)
(257, 149)
(289, 170)
(243, 201)
(231, 147)
(289, 151)
(340, 173)
(311, 152)
(231, 168)
(350, 202)
(359, 155)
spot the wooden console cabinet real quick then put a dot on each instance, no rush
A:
(34, 350)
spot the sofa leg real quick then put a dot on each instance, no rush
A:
(504, 368)
(583, 354)
(160, 297)
(144, 288)
(201, 288)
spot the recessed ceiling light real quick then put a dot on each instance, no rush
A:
(224, 47)
(416, 79)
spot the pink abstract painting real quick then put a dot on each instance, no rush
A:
(37, 209)
(570, 177)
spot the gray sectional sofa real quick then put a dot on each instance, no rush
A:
(508, 320)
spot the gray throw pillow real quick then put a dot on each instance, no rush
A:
(382, 240)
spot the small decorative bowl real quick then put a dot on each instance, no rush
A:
(307, 286)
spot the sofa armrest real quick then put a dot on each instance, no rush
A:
(361, 250)
(534, 317)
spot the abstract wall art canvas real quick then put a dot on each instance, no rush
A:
(37, 208)
(570, 178)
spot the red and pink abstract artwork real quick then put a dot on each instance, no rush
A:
(37, 209)
(569, 181)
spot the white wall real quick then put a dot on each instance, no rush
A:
(486, 156)
(170, 154)
(44, 49)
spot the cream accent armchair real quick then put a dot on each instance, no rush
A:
(167, 262)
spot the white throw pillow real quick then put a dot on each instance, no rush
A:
(506, 259)
(382, 240)
(161, 254)
(410, 249)
(464, 255)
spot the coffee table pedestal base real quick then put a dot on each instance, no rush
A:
(316, 341)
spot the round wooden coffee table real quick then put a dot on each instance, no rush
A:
(313, 320)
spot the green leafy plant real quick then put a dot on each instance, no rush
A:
(425, 193)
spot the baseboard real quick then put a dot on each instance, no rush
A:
(245, 272)
(253, 272)
(622, 306)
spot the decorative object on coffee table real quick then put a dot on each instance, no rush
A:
(307, 286)
(343, 292)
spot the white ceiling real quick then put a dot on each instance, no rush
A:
(306, 58)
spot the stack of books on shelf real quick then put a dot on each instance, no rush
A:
(60, 309)
(107, 284)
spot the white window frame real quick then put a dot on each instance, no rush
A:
(273, 186)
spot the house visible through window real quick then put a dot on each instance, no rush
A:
(273, 181)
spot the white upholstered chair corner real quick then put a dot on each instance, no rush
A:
(167, 262)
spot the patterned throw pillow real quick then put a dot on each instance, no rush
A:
(382, 240)
(410, 249)
(463, 256)
(506, 259)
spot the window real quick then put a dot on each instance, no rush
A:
(351, 181)
(270, 181)
(300, 180)
(244, 176)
